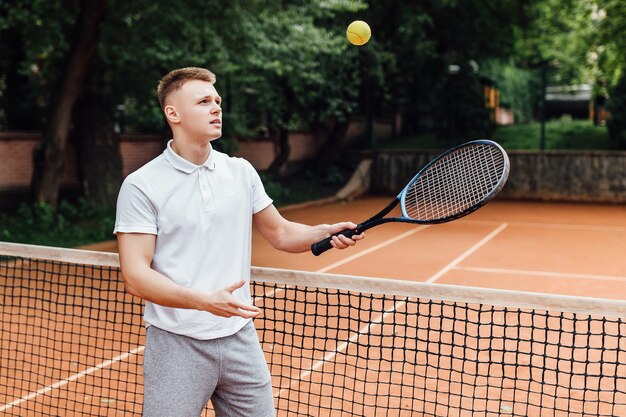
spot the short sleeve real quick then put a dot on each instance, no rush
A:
(135, 212)
(260, 199)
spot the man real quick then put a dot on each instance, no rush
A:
(184, 228)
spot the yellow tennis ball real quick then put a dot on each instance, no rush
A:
(358, 32)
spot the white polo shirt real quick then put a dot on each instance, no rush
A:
(202, 217)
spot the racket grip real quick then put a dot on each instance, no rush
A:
(323, 245)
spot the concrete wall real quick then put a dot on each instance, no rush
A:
(558, 176)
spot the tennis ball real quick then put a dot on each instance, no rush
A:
(358, 32)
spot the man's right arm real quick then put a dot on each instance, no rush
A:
(136, 251)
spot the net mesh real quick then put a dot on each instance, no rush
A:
(455, 183)
(72, 345)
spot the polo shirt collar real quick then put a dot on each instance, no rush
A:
(184, 165)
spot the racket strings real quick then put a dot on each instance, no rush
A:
(455, 183)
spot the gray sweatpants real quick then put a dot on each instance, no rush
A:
(181, 374)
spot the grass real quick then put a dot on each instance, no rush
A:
(560, 134)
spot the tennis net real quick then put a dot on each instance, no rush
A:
(72, 344)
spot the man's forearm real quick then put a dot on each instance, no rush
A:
(298, 238)
(155, 287)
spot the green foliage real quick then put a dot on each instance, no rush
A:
(271, 61)
(331, 177)
(34, 40)
(474, 29)
(519, 88)
(288, 65)
(411, 142)
(460, 111)
(561, 32)
(303, 187)
(71, 225)
(616, 107)
(583, 41)
(275, 190)
(288, 59)
(609, 44)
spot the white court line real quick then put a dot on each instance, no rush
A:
(372, 249)
(367, 328)
(540, 273)
(467, 253)
(141, 348)
(74, 377)
(352, 258)
(318, 364)
(343, 346)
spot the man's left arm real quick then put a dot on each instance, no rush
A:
(294, 237)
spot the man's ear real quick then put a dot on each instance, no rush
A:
(171, 114)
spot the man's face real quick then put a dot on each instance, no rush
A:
(198, 109)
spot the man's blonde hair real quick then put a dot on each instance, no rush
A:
(175, 80)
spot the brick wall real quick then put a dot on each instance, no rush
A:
(16, 156)
(260, 153)
(137, 150)
(16, 167)
(382, 128)
(16, 150)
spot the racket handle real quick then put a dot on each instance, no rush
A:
(323, 245)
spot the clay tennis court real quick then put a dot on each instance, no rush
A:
(556, 248)
(559, 248)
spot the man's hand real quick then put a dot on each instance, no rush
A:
(297, 237)
(340, 241)
(223, 303)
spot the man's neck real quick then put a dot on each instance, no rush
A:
(195, 152)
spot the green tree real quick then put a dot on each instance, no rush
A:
(616, 106)
(519, 87)
(102, 58)
(423, 39)
(58, 66)
(49, 154)
(299, 70)
(610, 63)
(281, 64)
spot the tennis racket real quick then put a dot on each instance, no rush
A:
(454, 184)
